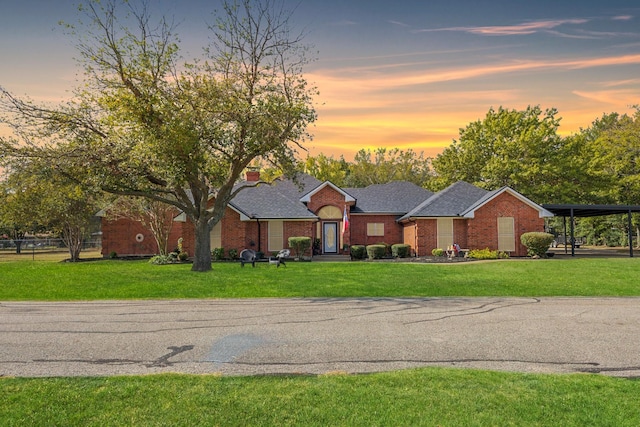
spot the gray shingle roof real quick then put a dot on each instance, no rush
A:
(451, 202)
(280, 200)
(398, 197)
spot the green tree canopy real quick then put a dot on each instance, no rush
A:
(144, 123)
(383, 165)
(36, 197)
(519, 149)
(614, 145)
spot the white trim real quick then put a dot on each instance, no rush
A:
(307, 197)
(312, 219)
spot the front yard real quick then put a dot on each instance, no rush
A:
(109, 279)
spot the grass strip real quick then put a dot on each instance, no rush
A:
(421, 397)
(104, 280)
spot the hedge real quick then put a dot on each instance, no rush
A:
(300, 245)
(400, 250)
(358, 252)
(537, 243)
(376, 251)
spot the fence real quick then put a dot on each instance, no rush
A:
(34, 245)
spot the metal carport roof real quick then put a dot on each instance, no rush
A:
(572, 211)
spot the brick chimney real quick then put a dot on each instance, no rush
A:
(253, 175)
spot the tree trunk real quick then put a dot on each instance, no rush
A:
(202, 256)
(72, 236)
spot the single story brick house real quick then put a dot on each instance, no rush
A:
(263, 217)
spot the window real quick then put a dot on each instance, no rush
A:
(375, 229)
(215, 237)
(445, 232)
(506, 234)
(276, 235)
(330, 212)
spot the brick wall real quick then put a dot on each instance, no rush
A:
(328, 196)
(122, 237)
(427, 236)
(393, 232)
(299, 229)
(483, 229)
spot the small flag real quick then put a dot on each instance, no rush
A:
(345, 221)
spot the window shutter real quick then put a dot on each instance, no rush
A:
(506, 234)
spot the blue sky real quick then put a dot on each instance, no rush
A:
(404, 74)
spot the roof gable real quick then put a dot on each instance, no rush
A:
(306, 198)
(450, 202)
(470, 212)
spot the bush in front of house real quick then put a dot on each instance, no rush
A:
(437, 252)
(487, 253)
(387, 248)
(233, 253)
(376, 251)
(300, 245)
(217, 254)
(400, 250)
(358, 251)
(537, 243)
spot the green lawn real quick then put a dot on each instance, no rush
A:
(97, 280)
(422, 397)
(431, 397)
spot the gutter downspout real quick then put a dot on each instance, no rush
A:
(259, 235)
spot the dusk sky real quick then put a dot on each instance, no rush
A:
(406, 74)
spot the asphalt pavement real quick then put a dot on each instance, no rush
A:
(316, 336)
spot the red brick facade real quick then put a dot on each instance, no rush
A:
(393, 232)
(482, 230)
(478, 232)
(126, 237)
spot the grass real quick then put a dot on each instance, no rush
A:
(421, 397)
(430, 397)
(108, 279)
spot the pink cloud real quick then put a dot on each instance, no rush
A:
(505, 30)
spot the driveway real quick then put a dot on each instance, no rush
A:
(300, 336)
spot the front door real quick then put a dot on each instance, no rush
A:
(330, 237)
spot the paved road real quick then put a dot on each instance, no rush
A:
(272, 336)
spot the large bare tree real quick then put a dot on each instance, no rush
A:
(146, 123)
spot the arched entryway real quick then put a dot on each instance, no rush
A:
(329, 228)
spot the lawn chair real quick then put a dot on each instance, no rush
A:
(247, 256)
(279, 258)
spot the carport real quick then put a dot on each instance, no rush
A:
(573, 211)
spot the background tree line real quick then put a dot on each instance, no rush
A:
(146, 123)
(521, 149)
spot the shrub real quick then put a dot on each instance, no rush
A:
(387, 248)
(183, 256)
(358, 251)
(217, 254)
(537, 243)
(161, 260)
(300, 245)
(400, 250)
(233, 253)
(376, 251)
(487, 253)
(113, 255)
(437, 252)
